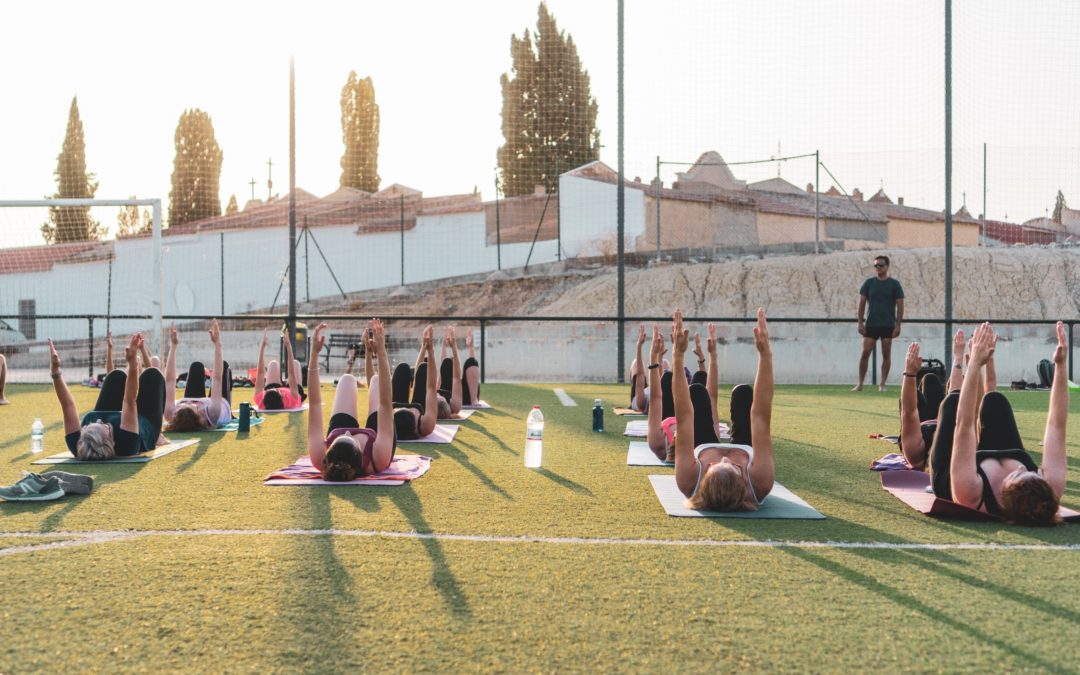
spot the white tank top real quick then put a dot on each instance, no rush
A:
(727, 446)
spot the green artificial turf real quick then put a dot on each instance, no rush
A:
(262, 602)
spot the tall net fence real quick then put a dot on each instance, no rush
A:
(769, 150)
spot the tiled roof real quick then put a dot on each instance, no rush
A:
(802, 204)
(42, 258)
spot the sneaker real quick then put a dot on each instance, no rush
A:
(32, 488)
(71, 483)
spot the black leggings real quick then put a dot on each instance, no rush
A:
(419, 388)
(400, 381)
(742, 399)
(667, 400)
(997, 431)
(931, 393)
(466, 395)
(196, 381)
(149, 402)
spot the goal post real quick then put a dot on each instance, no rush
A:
(67, 268)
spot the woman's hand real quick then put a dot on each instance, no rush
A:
(449, 336)
(427, 341)
(1062, 347)
(54, 358)
(108, 339)
(698, 352)
(710, 342)
(658, 348)
(265, 340)
(983, 344)
(131, 352)
(640, 334)
(377, 337)
(761, 334)
(680, 337)
(912, 362)
(215, 331)
(469, 338)
(174, 339)
(958, 346)
(318, 340)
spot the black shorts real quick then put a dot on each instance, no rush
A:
(342, 421)
(880, 332)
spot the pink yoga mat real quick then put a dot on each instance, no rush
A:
(910, 488)
(403, 468)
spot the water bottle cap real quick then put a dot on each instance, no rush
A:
(598, 403)
(536, 407)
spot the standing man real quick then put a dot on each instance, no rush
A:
(886, 299)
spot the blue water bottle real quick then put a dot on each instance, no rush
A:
(598, 416)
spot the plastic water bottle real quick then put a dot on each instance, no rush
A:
(37, 436)
(245, 417)
(534, 438)
(598, 416)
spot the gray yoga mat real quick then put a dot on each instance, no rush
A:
(639, 454)
(160, 451)
(781, 503)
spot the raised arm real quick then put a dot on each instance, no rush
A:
(686, 469)
(470, 346)
(290, 366)
(108, 353)
(713, 382)
(260, 367)
(63, 394)
(144, 354)
(383, 450)
(963, 469)
(431, 410)
(216, 399)
(129, 414)
(315, 439)
(170, 373)
(369, 370)
(455, 358)
(910, 429)
(763, 470)
(1054, 466)
(956, 377)
(656, 431)
(639, 384)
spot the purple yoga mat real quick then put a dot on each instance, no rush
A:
(910, 488)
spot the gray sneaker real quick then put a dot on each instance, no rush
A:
(32, 488)
(71, 483)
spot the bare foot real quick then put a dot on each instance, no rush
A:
(881, 387)
(4, 401)
(857, 387)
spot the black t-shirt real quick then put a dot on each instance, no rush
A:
(881, 295)
(125, 443)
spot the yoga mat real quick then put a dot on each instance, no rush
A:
(283, 410)
(640, 429)
(894, 461)
(639, 454)
(628, 412)
(444, 433)
(160, 451)
(463, 414)
(233, 425)
(402, 468)
(781, 503)
(910, 487)
(479, 405)
(884, 437)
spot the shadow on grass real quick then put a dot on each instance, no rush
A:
(452, 452)
(442, 578)
(494, 439)
(940, 618)
(564, 482)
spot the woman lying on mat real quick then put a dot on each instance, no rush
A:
(270, 392)
(418, 418)
(197, 411)
(347, 450)
(703, 388)
(977, 458)
(640, 391)
(451, 383)
(732, 476)
(919, 405)
(470, 374)
(127, 417)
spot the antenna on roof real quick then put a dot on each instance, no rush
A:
(269, 178)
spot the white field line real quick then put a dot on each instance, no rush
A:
(105, 536)
(564, 398)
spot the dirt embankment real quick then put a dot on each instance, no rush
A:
(1028, 283)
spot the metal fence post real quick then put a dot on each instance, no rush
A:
(483, 357)
(1070, 350)
(90, 336)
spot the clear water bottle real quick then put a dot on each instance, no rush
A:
(37, 436)
(534, 438)
(598, 416)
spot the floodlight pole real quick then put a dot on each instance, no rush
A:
(158, 276)
(657, 192)
(292, 203)
(948, 187)
(620, 211)
(817, 201)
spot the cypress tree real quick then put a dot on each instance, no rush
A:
(196, 176)
(73, 181)
(549, 114)
(1059, 204)
(360, 133)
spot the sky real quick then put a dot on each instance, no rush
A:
(861, 81)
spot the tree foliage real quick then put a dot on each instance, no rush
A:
(196, 176)
(1059, 204)
(360, 132)
(549, 114)
(130, 222)
(73, 181)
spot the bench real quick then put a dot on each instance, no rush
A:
(342, 342)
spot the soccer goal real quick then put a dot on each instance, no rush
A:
(75, 270)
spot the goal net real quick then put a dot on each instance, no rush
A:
(74, 270)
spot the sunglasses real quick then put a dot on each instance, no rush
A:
(879, 265)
